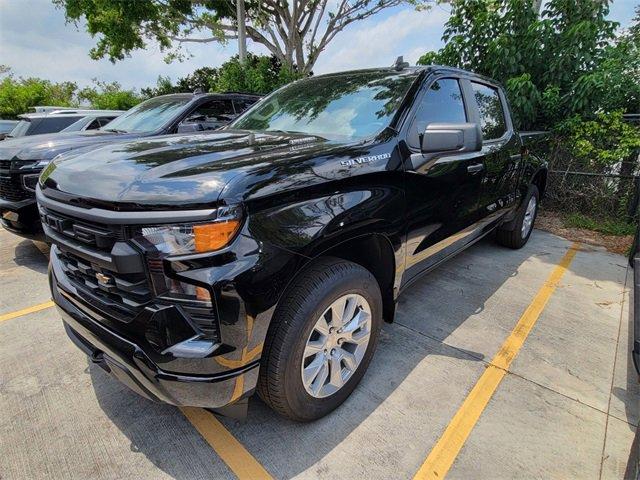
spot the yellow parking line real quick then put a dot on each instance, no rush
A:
(448, 446)
(230, 450)
(25, 311)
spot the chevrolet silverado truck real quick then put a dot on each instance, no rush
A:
(265, 257)
(22, 159)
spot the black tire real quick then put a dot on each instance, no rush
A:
(311, 293)
(510, 234)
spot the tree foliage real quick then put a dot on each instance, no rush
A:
(603, 142)
(567, 61)
(18, 95)
(295, 32)
(108, 96)
(259, 74)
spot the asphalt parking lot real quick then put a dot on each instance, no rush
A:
(438, 396)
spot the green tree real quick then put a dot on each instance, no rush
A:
(109, 96)
(204, 78)
(164, 86)
(18, 95)
(296, 32)
(548, 64)
(260, 74)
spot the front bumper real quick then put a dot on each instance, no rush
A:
(132, 365)
(21, 218)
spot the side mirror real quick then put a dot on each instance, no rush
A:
(189, 127)
(451, 137)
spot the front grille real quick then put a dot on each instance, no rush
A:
(100, 237)
(5, 164)
(121, 296)
(112, 277)
(11, 189)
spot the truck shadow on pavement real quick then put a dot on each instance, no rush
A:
(630, 395)
(412, 384)
(27, 254)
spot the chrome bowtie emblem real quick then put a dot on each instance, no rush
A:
(103, 279)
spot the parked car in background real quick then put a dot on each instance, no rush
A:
(22, 159)
(265, 256)
(6, 126)
(49, 108)
(92, 122)
(52, 122)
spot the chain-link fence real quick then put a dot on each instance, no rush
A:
(594, 194)
(603, 191)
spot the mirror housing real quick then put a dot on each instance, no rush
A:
(451, 137)
(189, 127)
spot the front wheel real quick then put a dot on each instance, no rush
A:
(516, 233)
(321, 340)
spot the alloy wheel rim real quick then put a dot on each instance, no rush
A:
(529, 215)
(336, 345)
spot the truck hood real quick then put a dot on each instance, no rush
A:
(47, 146)
(185, 171)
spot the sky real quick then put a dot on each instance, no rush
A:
(36, 41)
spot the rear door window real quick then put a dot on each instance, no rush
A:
(491, 111)
(53, 124)
(442, 103)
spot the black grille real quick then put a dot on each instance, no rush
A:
(101, 237)
(5, 164)
(11, 189)
(204, 318)
(121, 296)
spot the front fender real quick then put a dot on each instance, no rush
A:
(316, 224)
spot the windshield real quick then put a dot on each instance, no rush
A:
(148, 116)
(21, 129)
(349, 106)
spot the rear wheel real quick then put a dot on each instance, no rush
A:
(516, 233)
(321, 339)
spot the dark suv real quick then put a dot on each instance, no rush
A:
(22, 159)
(266, 256)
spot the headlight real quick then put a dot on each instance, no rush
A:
(162, 241)
(29, 182)
(194, 238)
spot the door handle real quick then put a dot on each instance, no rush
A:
(478, 167)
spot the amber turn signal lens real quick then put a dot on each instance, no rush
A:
(213, 236)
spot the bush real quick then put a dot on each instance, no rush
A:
(603, 144)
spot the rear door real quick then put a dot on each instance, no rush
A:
(443, 191)
(501, 148)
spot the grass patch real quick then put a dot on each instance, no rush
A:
(606, 226)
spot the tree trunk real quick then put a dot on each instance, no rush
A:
(242, 32)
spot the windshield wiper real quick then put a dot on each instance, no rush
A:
(294, 132)
(114, 130)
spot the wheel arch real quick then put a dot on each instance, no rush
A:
(539, 179)
(375, 253)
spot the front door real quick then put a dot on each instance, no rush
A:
(443, 190)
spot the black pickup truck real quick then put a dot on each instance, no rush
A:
(22, 159)
(265, 256)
